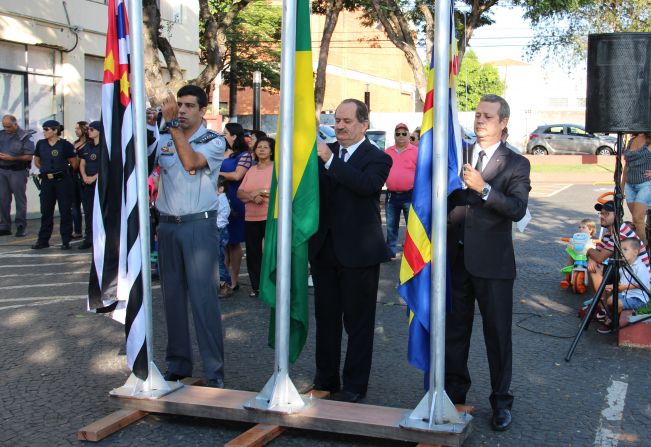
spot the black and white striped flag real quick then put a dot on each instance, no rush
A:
(115, 286)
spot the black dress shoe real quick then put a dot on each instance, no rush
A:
(348, 396)
(5, 232)
(40, 245)
(65, 246)
(173, 377)
(84, 245)
(501, 419)
(20, 232)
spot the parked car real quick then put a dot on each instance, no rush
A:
(569, 139)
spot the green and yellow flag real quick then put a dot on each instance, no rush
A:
(305, 194)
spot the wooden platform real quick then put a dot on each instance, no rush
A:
(321, 415)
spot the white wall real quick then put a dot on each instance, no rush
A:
(44, 22)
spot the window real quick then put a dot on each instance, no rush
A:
(555, 129)
(94, 68)
(30, 85)
(577, 131)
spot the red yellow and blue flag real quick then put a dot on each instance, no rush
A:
(415, 270)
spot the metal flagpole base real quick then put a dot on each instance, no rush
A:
(422, 418)
(154, 387)
(278, 395)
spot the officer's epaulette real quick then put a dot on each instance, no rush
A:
(209, 135)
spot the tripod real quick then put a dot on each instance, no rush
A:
(611, 273)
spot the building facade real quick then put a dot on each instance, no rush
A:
(52, 56)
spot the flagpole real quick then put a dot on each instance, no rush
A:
(280, 394)
(436, 411)
(155, 386)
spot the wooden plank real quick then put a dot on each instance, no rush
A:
(262, 434)
(257, 436)
(108, 425)
(320, 415)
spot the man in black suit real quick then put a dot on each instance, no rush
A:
(480, 252)
(346, 252)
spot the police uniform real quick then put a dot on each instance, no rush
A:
(188, 254)
(56, 187)
(13, 178)
(90, 154)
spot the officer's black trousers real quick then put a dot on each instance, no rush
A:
(87, 199)
(56, 191)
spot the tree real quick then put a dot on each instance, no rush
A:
(255, 34)
(397, 17)
(561, 27)
(331, 10)
(475, 80)
(218, 20)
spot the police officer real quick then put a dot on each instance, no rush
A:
(16, 151)
(54, 156)
(190, 158)
(88, 168)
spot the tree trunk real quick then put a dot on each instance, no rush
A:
(399, 33)
(331, 18)
(154, 85)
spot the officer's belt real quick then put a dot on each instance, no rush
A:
(20, 167)
(52, 175)
(166, 218)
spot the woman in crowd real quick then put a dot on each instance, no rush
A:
(88, 169)
(415, 136)
(254, 136)
(237, 161)
(636, 186)
(254, 192)
(55, 156)
(81, 131)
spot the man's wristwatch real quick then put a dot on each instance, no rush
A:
(484, 192)
(174, 123)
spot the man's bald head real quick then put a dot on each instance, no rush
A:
(9, 123)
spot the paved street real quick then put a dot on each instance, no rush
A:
(59, 362)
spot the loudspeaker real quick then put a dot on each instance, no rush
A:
(619, 83)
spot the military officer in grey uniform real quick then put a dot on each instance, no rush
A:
(16, 151)
(190, 158)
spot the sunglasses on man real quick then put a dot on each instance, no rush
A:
(402, 134)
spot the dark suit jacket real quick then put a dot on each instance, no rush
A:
(485, 225)
(350, 206)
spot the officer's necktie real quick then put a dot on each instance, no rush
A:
(480, 161)
(342, 154)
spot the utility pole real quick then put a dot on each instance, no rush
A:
(232, 95)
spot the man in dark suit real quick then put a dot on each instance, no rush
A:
(346, 252)
(480, 252)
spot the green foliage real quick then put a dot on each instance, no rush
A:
(562, 26)
(255, 33)
(475, 80)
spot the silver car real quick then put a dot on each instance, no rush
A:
(569, 139)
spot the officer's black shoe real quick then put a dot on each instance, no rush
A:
(5, 232)
(20, 232)
(84, 245)
(40, 245)
(65, 246)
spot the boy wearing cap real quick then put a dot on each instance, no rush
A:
(605, 248)
(52, 156)
(88, 168)
(400, 183)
